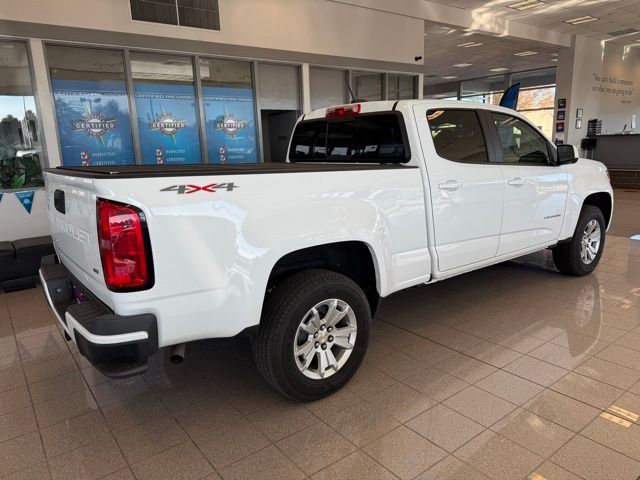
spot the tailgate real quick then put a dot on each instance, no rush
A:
(71, 202)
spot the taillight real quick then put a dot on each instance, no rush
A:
(343, 110)
(124, 247)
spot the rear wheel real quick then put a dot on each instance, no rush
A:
(581, 255)
(313, 334)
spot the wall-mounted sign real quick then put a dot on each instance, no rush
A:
(560, 127)
(579, 113)
(230, 124)
(562, 103)
(93, 122)
(560, 115)
(167, 123)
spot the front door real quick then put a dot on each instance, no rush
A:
(466, 186)
(535, 188)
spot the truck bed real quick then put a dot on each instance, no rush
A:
(147, 171)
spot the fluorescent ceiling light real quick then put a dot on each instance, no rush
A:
(499, 69)
(470, 44)
(449, 77)
(526, 54)
(622, 33)
(554, 59)
(581, 20)
(463, 65)
(526, 4)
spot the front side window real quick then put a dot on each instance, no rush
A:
(367, 138)
(520, 142)
(457, 135)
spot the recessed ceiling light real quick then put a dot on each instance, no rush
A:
(622, 33)
(526, 54)
(526, 4)
(554, 54)
(463, 65)
(581, 20)
(499, 69)
(554, 59)
(470, 44)
(449, 77)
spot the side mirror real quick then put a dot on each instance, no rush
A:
(567, 154)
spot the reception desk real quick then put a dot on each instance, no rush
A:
(618, 152)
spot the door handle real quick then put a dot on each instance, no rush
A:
(517, 182)
(450, 185)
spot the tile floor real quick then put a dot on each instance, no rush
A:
(511, 372)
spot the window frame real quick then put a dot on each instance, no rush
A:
(551, 151)
(397, 114)
(486, 136)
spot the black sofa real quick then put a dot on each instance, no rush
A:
(20, 261)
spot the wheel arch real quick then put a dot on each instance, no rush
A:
(603, 201)
(353, 259)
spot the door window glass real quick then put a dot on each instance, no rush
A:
(520, 142)
(457, 135)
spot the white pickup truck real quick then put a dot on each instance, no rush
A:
(375, 198)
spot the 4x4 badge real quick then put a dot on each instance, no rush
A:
(212, 188)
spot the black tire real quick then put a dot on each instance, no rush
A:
(567, 257)
(285, 307)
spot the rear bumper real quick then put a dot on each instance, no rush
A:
(117, 345)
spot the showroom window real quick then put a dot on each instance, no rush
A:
(400, 87)
(229, 111)
(367, 86)
(187, 13)
(166, 109)
(328, 87)
(92, 105)
(457, 135)
(20, 147)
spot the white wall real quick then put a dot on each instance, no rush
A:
(310, 26)
(16, 223)
(603, 79)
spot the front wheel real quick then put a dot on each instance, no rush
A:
(581, 255)
(313, 334)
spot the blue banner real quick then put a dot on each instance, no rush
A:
(26, 199)
(167, 123)
(230, 124)
(93, 122)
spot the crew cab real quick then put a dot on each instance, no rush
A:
(373, 198)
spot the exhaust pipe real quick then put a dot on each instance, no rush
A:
(176, 354)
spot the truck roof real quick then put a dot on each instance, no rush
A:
(388, 105)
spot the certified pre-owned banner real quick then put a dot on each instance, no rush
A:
(167, 123)
(231, 126)
(93, 122)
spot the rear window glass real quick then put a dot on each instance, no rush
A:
(362, 138)
(457, 135)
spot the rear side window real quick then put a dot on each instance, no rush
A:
(368, 138)
(457, 135)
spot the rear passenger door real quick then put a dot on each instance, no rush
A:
(536, 188)
(465, 183)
